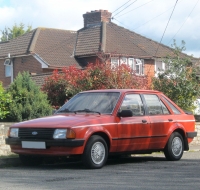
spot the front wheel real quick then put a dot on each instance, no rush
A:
(96, 153)
(174, 148)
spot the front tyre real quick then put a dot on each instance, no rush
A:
(174, 148)
(96, 153)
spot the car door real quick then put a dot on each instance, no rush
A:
(161, 120)
(133, 132)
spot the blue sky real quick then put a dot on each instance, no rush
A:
(146, 17)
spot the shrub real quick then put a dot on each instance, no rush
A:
(28, 101)
(179, 82)
(5, 100)
(63, 85)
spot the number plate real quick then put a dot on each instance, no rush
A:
(36, 145)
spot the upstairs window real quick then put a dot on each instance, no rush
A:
(7, 70)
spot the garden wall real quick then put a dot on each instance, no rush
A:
(5, 149)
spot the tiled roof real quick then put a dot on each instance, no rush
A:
(53, 46)
(17, 46)
(40, 78)
(119, 41)
(88, 41)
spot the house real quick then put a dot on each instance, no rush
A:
(39, 52)
(99, 41)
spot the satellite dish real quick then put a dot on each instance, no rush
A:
(7, 62)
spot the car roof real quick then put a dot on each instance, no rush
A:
(124, 90)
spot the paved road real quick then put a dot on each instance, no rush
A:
(148, 172)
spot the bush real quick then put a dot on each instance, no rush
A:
(63, 85)
(179, 82)
(5, 100)
(28, 101)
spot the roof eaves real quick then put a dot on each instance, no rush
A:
(43, 63)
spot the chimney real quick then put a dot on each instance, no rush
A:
(96, 17)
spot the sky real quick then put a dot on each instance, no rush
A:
(159, 20)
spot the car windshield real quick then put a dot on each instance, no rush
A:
(91, 102)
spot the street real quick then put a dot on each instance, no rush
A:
(137, 172)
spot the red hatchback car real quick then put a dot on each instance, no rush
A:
(98, 123)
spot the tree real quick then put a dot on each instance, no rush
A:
(14, 32)
(28, 101)
(179, 81)
(5, 100)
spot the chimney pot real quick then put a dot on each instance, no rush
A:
(96, 17)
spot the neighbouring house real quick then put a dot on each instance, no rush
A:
(100, 41)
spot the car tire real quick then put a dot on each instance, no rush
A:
(28, 160)
(174, 148)
(96, 153)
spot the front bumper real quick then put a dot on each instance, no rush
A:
(191, 134)
(49, 143)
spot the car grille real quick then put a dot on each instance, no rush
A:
(36, 133)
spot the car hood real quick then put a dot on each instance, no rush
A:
(65, 121)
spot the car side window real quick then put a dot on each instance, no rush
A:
(134, 103)
(154, 105)
(174, 109)
(164, 108)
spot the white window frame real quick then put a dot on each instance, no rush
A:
(140, 64)
(123, 60)
(114, 62)
(131, 63)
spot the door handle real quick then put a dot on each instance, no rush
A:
(170, 119)
(144, 121)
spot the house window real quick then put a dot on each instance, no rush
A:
(123, 60)
(8, 70)
(114, 62)
(131, 63)
(159, 66)
(139, 66)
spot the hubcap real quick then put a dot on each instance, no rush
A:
(177, 146)
(98, 153)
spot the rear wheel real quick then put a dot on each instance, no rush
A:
(96, 152)
(174, 148)
(29, 160)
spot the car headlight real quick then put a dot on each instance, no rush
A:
(64, 134)
(14, 132)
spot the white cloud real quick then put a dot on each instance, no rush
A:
(67, 14)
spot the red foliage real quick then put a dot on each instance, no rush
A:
(62, 85)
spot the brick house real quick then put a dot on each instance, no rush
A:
(100, 41)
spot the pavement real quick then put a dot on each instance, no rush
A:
(14, 160)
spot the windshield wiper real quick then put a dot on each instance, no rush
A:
(64, 111)
(87, 111)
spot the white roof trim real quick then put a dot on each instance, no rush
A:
(43, 63)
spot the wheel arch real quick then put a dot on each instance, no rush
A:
(104, 136)
(182, 133)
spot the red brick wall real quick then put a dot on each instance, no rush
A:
(3, 79)
(149, 70)
(20, 64)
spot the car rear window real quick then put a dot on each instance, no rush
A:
(174, 109)
(154, 105)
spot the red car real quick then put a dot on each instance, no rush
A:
(98, 123)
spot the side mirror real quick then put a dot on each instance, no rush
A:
(125, 113)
